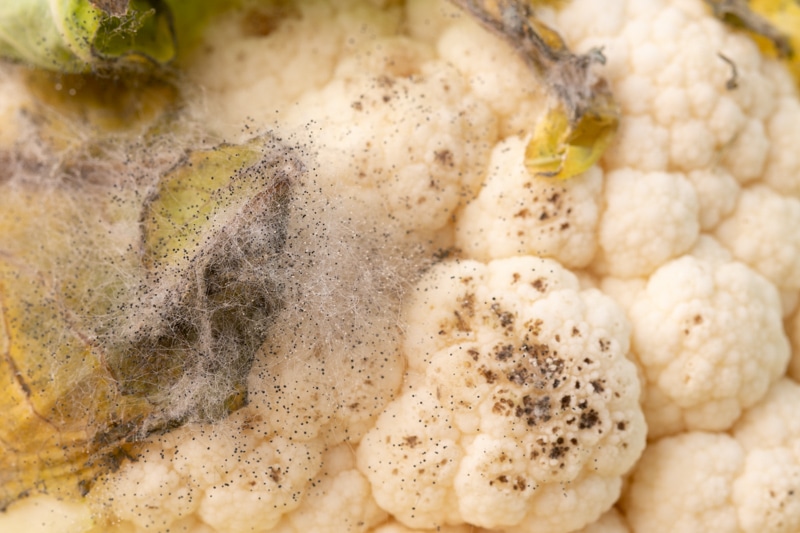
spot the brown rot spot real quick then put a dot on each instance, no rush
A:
(488, 375)
(589, 419)
(522, 213)
(264, 20)
(540, 284)
(444, 157)
(557, 452)
(274, 473)
(534, 411)
(467, 303)
(597, 386)
(621, 426)
(566, 401)
(358, 106)
(385, 81)
(506, 318)
(503, 407)
(461, 324)
(504, 352)
(411, 441)
(518, 376)
(605, 344)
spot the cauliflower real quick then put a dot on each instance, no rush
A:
(394, 266)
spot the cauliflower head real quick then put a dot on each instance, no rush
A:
(439, 336)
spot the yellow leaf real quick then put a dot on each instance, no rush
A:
(576, 131)
(784, 15)
(63, 421)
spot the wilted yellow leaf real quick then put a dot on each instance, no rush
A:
(578, 128)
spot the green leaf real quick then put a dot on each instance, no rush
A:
(84, 35)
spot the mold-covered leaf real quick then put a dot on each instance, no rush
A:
(206, 193)
(103, 343)
(581, 122)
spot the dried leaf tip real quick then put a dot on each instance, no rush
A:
(577, 129)
(739, 13)
(773, 24)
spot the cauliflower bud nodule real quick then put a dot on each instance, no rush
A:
(520, 411)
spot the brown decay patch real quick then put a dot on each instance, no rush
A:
(385, 82)
(467, 303)
(588, 419)
(506, 317)
(444, 157)
(540, 284)
(558, 450)
(504, 352)
(274, 473)
(534, 327)
(519, 483)
(503, 407)
(489, 375)
(411, 441)
(461, 324)
(533, 410)
(263, 20)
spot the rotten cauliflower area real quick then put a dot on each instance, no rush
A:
(310, 281)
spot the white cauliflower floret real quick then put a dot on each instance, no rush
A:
(407, 136)
(340, 499)
(685, 483)
(521, 411)
(610, 522)
(745, 483)
(46, 514)
(512, 92)
(759, 233)
(266, 68)
(717, 192)
(516, 214)
(229, 477)
(783, 162)
(267, 481)
(649, 218)
(708, 334)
